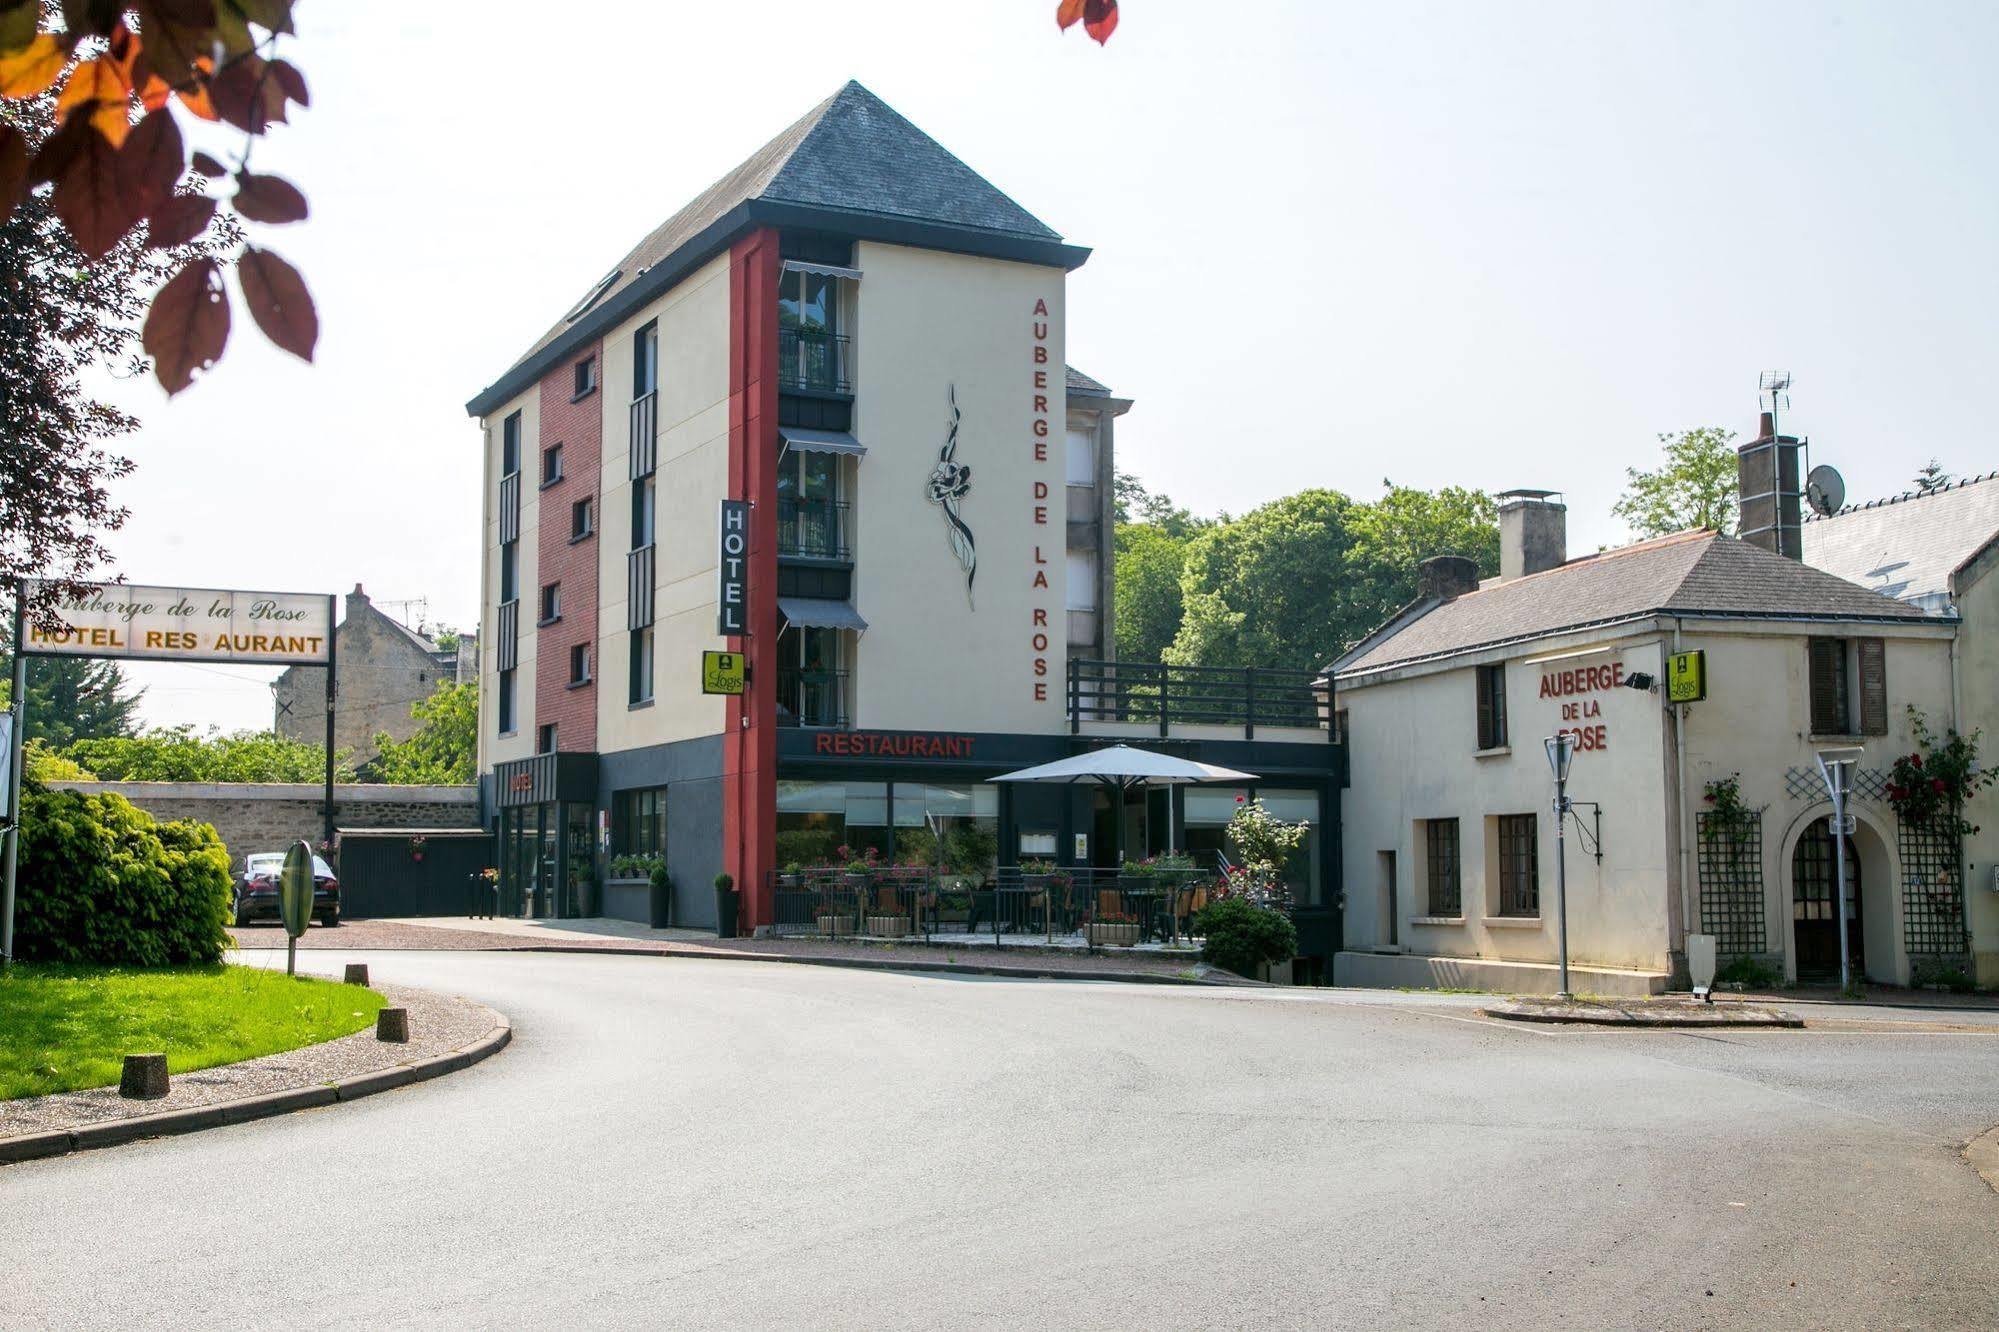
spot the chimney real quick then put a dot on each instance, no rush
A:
(1533, 532)
(1769, 492)
(1446, 576)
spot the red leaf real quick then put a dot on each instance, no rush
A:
(1100, 19)
(291, 81)
(278, 301)
(179, 220)
(89, 197)
(188, 325)
(1067, 12)
(13, 169)
(207, 165)
(245, 97)
(269, 199)
(151, 161)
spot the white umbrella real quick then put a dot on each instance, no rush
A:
(1121, 768)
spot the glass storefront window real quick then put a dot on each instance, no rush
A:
(814, 819)
(1301, 873)
(638, 822)
(903, 822)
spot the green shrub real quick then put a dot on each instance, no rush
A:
(102, 881)
(1934, 975)
(1241, 934)
(1750, 971)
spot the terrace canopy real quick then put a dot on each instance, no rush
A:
(1121, 768)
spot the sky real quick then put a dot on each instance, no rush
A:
(1440, 243)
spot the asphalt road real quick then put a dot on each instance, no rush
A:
(678, 1143)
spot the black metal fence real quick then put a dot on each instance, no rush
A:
(1155, 693)
(1008, 907)
(811, 697)
(812, 359)
(813, 529)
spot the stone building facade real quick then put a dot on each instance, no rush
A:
(385, 669)
(253, 817)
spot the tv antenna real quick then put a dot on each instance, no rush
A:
(420, 605)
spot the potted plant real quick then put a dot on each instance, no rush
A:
(790, 876)
(834, 921)
(1112, 929)
(1035, 875)
(884, 923)
(860, 867)
(1138, 875)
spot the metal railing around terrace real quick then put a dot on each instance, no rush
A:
(812, 529)
(1154, 693)
(813, 360)
(810, 697)
(1008, 907)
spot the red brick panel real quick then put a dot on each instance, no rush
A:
(577, 424)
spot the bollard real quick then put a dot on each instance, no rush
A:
(356, 973)
(144, 1078)
(392, 1024)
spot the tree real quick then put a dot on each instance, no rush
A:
(1696, 486)
(1931, 476)
(177, 754)
(1146, 601)
(1131, 502)
(62, 315)
(1299, 580)
(445, 749)
(72, 698)
(114, 163)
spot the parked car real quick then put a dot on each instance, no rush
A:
(256, 893)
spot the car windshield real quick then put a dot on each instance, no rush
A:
(271, 863)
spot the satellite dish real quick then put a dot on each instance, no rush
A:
(1825, 491)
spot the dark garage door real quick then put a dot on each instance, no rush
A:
(388, 874)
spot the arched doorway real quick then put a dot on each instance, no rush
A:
(1815, 905)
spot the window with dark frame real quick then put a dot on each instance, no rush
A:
(638, 822)
(1445, 881)
(551, 464)
(506, 703)
(579, 520)
(551, 603)
(1519, 866)
(586, 375)
(1492, 706)
(641, 666)
(510, 444)
(544, 738)
(645, 360)
(510, 564)
(644, 506)
(1849, 685)
(579, 664)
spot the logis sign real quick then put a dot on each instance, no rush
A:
(188, 624)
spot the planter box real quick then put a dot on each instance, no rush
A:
(832, 926)
(627, 899)
(1114, 935)
(888, 927)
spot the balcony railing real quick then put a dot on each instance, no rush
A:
(644, 455)
(812, 529)
(813, 360)
(811, 697)
(1120, 691)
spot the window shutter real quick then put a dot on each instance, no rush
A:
(1873, 686)
(1828, 716)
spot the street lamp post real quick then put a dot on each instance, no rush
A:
(1836, 771)
(1561, 752)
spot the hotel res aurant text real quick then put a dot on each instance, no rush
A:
(187, 624)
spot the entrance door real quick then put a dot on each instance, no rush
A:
(1815, 905)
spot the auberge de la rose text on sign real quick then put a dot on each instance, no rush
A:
(188, 624)
(1038, 639)
(1575, 682)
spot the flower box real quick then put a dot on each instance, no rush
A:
(1113, 935)
(832, 926)
(888, 927)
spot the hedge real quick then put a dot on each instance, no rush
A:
(101, 881)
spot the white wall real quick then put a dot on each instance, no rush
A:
(931, 660)
(519, 743)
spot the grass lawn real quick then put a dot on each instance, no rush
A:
(64, 1027)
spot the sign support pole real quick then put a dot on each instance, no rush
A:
(19, 703)
(332, 685)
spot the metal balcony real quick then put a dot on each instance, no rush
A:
(811, 360)
(812, 529)
(811, 697)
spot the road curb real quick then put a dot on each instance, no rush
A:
(1982, 1154)
(1612, 1017)
(111, 1132)
(908, 964)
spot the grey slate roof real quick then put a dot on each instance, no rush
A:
(1908, 546)
(1082, 383)
(850, 160)
(1689, 573)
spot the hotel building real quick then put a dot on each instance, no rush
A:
(822, 417)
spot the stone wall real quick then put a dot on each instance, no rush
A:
(269, 816)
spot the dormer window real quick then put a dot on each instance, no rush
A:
(591, 297)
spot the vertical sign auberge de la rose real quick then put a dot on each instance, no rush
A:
(1039, 627)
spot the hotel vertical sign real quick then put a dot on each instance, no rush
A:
(732, 569)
